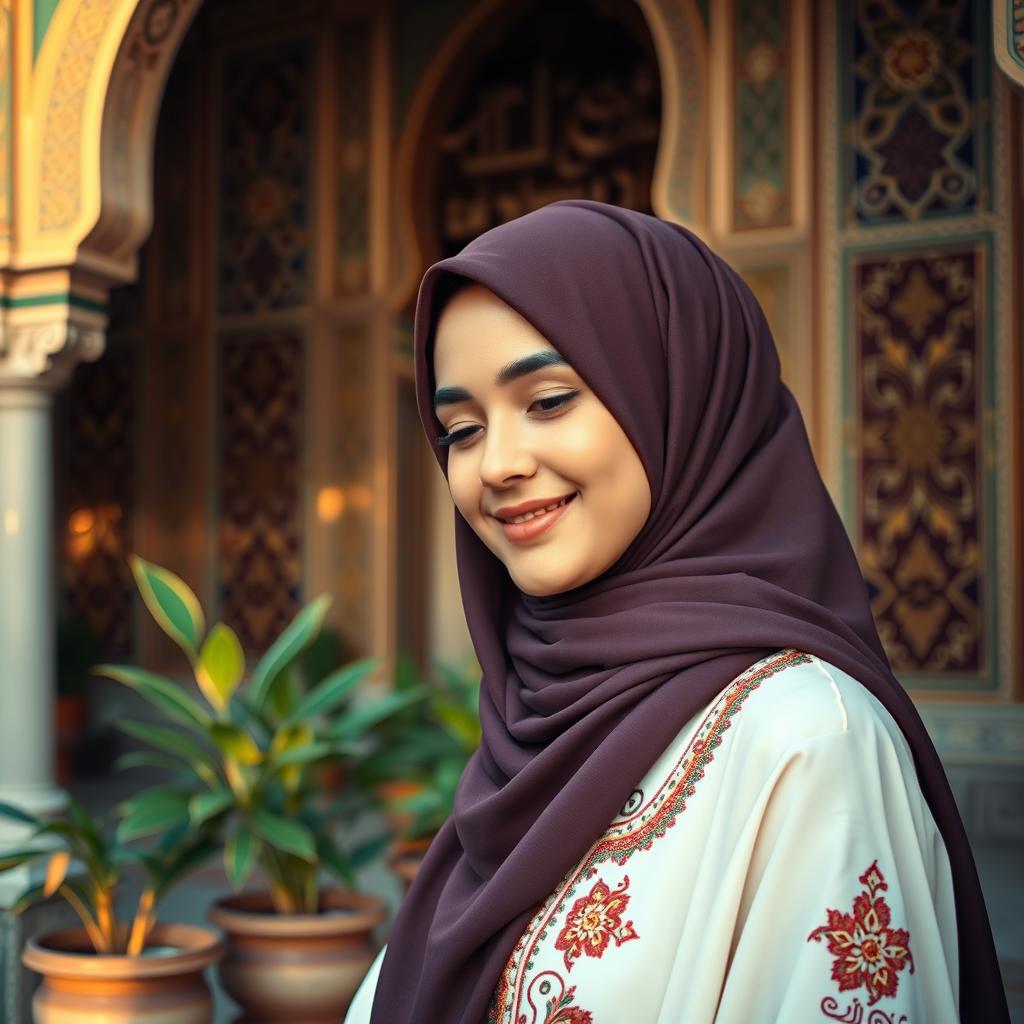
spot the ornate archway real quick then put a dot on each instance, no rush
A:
(679, 185)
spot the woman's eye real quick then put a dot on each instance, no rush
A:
(454, 436)
(554, 401)
(547, 404)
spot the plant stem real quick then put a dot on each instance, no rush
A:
(103, 899)
(143, 922)
(96, 937)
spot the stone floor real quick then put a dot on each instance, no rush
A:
(1001, 868)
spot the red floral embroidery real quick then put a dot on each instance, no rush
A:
(593, 920)
(854, 1013)
(560, 1012)
(868, 951)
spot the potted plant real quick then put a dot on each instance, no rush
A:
(123, 972)
(420, 759)
(253, 753)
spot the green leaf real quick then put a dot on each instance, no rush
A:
(234, 742)
(72, 836)
(332, 691)
(15, 858)
(160, 692)
(171, 602)
(463, 724)
(88, 829)
(335, 861)
(358, 721)
(303, 755)
(187, 860)
(285, 835)
(297, 637)
(16, 813)
(152, 812)
(27, 898)
(204, 806)
(369, 851)
(152, 759)
(176, 743)
(221, 666)
(240, 856)
(283, 695)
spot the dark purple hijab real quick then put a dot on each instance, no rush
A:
(743, 554)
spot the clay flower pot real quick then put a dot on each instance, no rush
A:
(296, 968)
(163, 986)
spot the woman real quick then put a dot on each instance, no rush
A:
(701, 794)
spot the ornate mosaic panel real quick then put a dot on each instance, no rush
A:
(97, 482)
(916, 109)
(762, 193)
(921, 320)
(544, 118)
(266, 155)
(353, 140)
(259, 473)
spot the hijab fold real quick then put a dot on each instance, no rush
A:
(742, 554)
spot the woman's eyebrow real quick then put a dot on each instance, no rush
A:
(510, 372)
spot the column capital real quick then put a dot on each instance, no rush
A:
(42, 355)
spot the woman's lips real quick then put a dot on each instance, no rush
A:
(520, 532)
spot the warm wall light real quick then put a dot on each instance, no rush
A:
(92, 528)
(82, 520)
(12, 522)
(330, 503)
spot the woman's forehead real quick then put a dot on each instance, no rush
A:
(477, 328)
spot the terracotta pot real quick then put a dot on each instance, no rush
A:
(164, 986)
(296, 968)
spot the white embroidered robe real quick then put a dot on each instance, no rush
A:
(777, 864)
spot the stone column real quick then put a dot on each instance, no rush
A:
(35, 361)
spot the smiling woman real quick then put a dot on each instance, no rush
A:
(701, 795)
(537, 466)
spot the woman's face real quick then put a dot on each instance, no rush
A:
(526, 433)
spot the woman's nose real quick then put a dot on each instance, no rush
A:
(505, 456)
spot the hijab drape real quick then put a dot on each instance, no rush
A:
(742, 554)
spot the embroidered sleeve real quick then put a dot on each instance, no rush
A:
(847, 909)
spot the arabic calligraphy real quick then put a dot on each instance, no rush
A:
(545, 121)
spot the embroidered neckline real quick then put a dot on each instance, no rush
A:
(640, 822)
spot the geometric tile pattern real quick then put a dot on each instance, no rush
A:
(762, 195)
(259, 473)
(920, 325)
(266, 155)
(916, 109)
